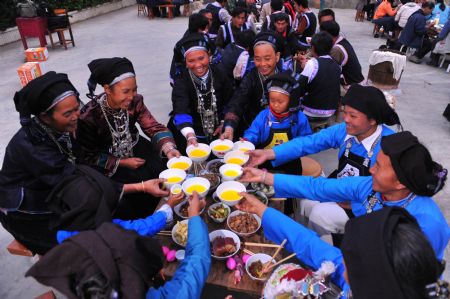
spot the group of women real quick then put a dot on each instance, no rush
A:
(71, 168)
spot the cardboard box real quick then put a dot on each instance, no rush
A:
(36, 54)
(30, 71)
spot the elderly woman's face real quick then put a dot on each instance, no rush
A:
(197, 62)
(121, 94)
(64, 116)
(266, 59)
(384, 179)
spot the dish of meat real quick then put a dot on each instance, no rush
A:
(243, 224)
(224, 243)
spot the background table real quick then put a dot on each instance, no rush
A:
(32, 27)
(219, 276)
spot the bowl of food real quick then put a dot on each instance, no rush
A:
(269, 191)
(218, 212)
(214, 165)
(224, 244)
(181, 209)
(236, 157)
(182, 162)
(230, 172)
(176, 189)
(214, 180)
(243, 146)
(172, 177)
(243, 224)
(199, 153)
(221, 147)
(180, 233)
(261, 196)
(228, 192)
(255, 265)
(200, 185)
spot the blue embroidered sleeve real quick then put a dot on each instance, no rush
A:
(183, 120)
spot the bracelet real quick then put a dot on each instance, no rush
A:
(264, 177)
(143, 186)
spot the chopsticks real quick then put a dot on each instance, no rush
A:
(248, 251)
(280, 261)
(261, 245)
(266, 266)
(164, 233)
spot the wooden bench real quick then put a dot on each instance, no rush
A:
(16, 248)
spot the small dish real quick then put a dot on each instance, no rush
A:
(183, 163)
(173, 177)
(199, 153)
(236, 157)
(220, 147)
(201, 185)
(244, 146)
(230, 172)
(218, 205)
(227, 192)
(263, 258)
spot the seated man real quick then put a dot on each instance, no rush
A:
(415, 29)
(227, 31)
(405, 11)
(366, 119)
(384, 16)
(326, 15)
(305, 23)
(273, 6)
(320, 79)
(404, 176)
(429, 44)
(344, 54)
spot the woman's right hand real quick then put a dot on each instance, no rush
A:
(195, 205)
(258, 157)
(154, 188)
(191, 139)
(251, 204)
(131, 163)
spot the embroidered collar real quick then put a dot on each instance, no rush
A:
(368, 141)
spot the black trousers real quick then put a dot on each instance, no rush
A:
(31, 230)
(139, 205)
(427, 46)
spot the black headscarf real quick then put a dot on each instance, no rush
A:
(413, 164)
(272, 38)
(281, 17)
(40, 93)
(286, 82)
(97, 264)
(372, 102)
(192, 40)
(365, 249)
(105, 70)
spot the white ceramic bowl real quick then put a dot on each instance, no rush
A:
(172, 162)
(232, 185)
(201, 146)
(171, 173)
(243, 146)
(218, 220)
(174, 229)
(227, 167)
(224, 233)
(236, 154)
(196, 181)
(177, 209)
(226, 144)
(175, 189)
(264, 258)
(235, 213)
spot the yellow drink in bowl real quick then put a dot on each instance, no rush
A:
(243, 149)
(197, 153)
(231, 173)
(222, 148)
(234, 160)
(180, 165)
(230, 195)
(174, 180)
(198, 188)
(176, 191)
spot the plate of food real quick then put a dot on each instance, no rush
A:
(224, 244)
(214, 180)
(243, 224)
(180, 233)
(269, 191)
(182, 209)
(219, 212)
(214, 165)
(255, 265)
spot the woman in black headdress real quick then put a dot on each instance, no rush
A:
(108, 136)
(40, 159)
(199, 96)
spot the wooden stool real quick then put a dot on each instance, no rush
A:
(142, 8)
(17, 248)
(169, 8)
(376, 28)
(310, 167)
(359, 17)
(62, 39)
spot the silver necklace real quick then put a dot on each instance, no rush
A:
(208, 116)
(122, 143)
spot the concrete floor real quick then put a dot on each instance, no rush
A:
(149, 44)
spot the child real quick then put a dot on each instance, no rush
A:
(281, 121)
